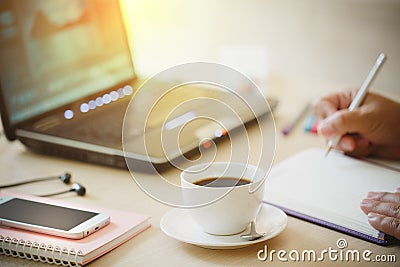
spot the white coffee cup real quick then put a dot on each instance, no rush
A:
(223, 210)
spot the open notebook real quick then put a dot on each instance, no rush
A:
(328, 191)
(71, 252)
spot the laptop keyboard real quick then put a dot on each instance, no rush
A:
(104, 127)
(105, 130)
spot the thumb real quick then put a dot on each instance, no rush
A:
(343, 122)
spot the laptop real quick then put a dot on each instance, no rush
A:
(67, 78)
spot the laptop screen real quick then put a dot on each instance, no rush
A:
(53, 52)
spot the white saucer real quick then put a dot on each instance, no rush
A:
(178, 224)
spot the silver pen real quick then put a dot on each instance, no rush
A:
(360, 96)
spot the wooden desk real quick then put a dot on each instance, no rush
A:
(114, 188)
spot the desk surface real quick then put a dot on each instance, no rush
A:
(115, 189)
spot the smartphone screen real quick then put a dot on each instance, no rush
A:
(41, 214)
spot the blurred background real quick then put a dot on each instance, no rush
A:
(286, 46)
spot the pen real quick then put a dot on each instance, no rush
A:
(287, 129)
(360, 96)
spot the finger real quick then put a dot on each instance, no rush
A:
(390, 209)
(347, 143)
(324, 108)
(331, 103)
(388, 152)
(357, 146)
(360, 147)
(344, 122)
(384, 196)
(388, 225)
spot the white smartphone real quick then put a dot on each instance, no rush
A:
(50, 219)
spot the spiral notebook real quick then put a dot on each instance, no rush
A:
(70, 252)
(328, 190)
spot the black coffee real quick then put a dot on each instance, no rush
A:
(222, 182)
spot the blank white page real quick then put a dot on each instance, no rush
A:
(328, 188)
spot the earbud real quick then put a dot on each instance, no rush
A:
(78, 188)
(66, 178)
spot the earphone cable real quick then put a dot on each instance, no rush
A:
(34, 180)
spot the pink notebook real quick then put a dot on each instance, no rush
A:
(70, 252)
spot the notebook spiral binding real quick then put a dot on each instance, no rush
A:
(19, 248)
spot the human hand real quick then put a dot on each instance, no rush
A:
(373, 129)
(383, 210)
